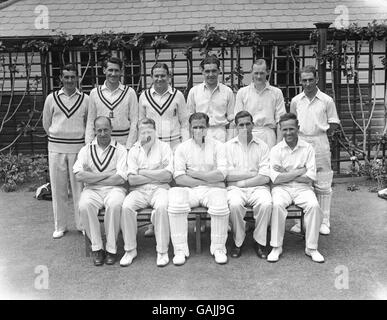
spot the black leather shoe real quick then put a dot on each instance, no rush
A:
(236, 251)
(99, 257)
(260, 250)
(110, 258)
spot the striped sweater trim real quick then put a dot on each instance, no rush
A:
(170, 138)
(111, 105)
(68, 112)
(159, 109)
(66, 140)
(120, 133)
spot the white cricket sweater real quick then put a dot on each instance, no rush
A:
(121, 105)
(64, 120)
(169, 111)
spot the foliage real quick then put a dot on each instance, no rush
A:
(16, 170)
(209, 38)
(158, 43)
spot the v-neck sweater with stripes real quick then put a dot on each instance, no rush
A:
(169, 112)
(64, 120)
(124, 108)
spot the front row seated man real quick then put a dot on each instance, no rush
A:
(200, 167)
(248, 180)
(150, 168)
(101, 166)
(292, 171)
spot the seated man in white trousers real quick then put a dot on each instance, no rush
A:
(200, 167)
(293, 170)
(150, 168)
(248, 180)
(101, 166)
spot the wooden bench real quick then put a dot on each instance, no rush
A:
(198, 214)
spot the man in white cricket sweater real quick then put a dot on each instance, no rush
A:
(117, 102)
(65, 117)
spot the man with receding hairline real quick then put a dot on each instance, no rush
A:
(101, 166)
(264, 102)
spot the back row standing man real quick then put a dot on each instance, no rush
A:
(317, 116)
(117, 102)
(264, 102)
(65, 115)
(214, 99)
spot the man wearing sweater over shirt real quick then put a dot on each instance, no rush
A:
(117, 102)
(65, 116)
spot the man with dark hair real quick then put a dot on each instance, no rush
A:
(317, 115)
(116, 101)
(292, 171)
(213, 98)
(150, 168)
(101, 166)
(264, 102)
(200, 168)
(65, 115)
(248, 180)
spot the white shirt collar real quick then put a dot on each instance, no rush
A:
(120, 87)
(61, 91)
(153, 91)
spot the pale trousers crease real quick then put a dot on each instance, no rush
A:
(91, 201)
(260, 199)
(139, 199)
(61, 171)
(304, 197)
(323, 183)
(266, 134)
(181, 200)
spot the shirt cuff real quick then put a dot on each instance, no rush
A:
(333, 120)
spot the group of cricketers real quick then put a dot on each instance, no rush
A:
(122, 154)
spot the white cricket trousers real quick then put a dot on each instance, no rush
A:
(304, 197)
(181, 200)
(139, 199)
(91, 201)
(260, 199)
(61, 171)
(324, 176)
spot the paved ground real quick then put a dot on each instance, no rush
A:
(355, 252)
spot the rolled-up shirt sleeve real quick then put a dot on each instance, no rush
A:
(311, 164)
(332, 112)
(167, 158)
(81, 160)
(180, 163)
(230, 156)
(221, 160)
(280, 106)
(275, 159)
(121, 162)
(264, 163)
(131, 164)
